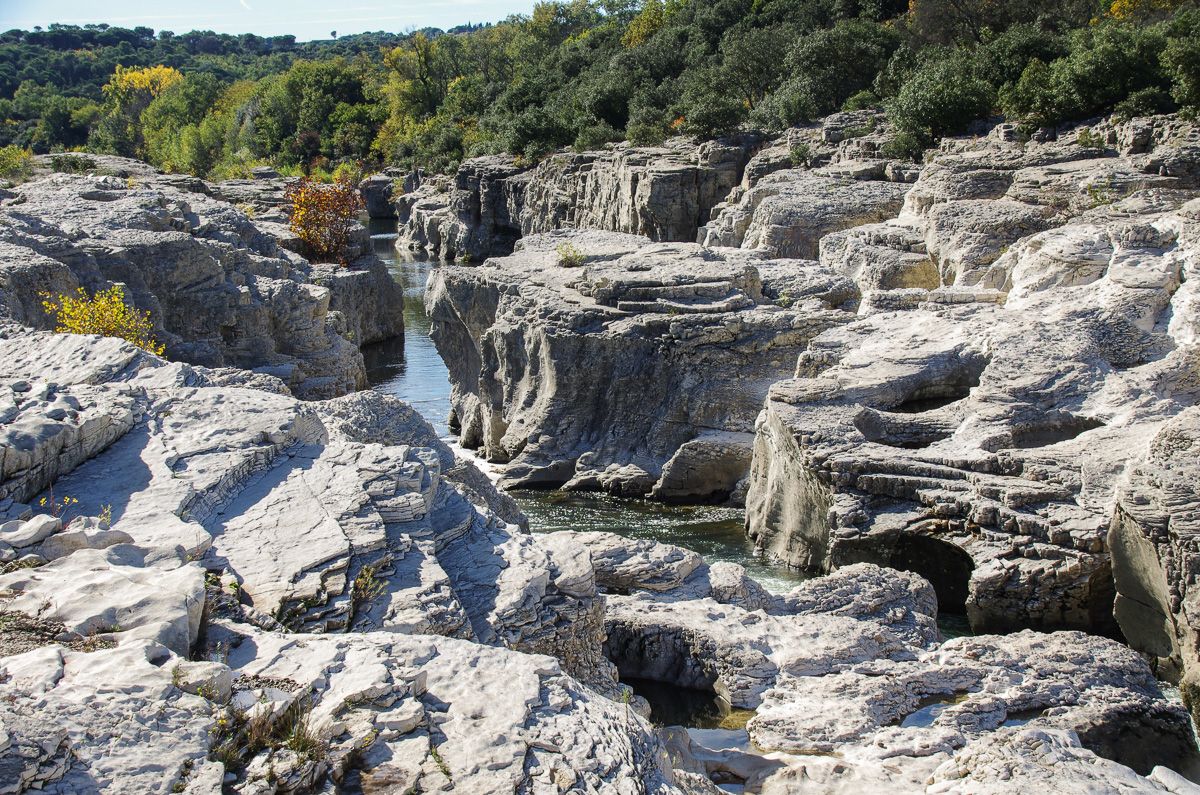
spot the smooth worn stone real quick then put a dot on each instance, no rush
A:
(31, 532)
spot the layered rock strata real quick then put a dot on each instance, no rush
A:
(219, 288)
(213, 499)
(663, 193)
(1026, 327)
(639, 370)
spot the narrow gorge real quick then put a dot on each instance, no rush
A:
(690, 469)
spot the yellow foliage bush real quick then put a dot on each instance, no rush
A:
(15, 162)
(129, 80)
(323, 216)
(104, 313)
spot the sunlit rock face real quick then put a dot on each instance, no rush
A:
(220, 288)
(1025, 330)
(664, 193)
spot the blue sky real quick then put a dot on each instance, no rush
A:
(306, 19)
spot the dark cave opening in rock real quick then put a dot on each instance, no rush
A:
(947, 567)
(671, 705)
(1059, 428)
(951, 389)
(662, 666)
(1101, 599)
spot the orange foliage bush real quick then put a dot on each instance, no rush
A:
(323, 216)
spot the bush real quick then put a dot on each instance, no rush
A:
(828, 67)
(106, 313)
(800, 154)
(1107, 64)
(324, 215)
(904, 146)
(861, 101)
(72, 164)
(569, 256)
(940, 98)
(15, 162)
(1181, 60)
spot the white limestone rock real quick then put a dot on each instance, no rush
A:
(640, 372)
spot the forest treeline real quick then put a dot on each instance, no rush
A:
(584, 73)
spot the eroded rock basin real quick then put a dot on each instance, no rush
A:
(702, 717)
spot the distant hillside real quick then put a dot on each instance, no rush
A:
(585, 73)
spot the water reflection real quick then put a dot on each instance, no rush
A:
(409, 368)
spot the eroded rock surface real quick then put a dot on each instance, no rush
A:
(639, 372)
(855, 692)
(1025, 331)
(664, 193)
(220, 289)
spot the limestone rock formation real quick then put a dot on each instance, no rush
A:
(1023, 335)
(472, 215)
(664, 193)
(1153, 541)
(854, 693)
(640, 372)
(220, 290)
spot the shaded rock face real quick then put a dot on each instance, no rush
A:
(469, 216)
(1153, 542)
(1025, 330)
(853, 692)
(663, 193)
(220, 291)
(640, 372)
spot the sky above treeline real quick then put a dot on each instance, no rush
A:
(304, 19)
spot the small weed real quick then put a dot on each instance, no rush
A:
(800, 155)
(1100, 195)
(1090, 139)
(106, 515)
(55, 507)
(367, 587)
(441, 763)
(569, 256)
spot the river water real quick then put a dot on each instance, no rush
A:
(413, 371)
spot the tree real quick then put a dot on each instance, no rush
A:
(940, 98)
(127, 94)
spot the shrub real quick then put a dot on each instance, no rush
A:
(1107, 64)
(105, 313)
(323, 216)
(800, 154)
(1181, 59)
(15, 162)
(826, 68)
(861, 101)
(569, 256)
(72, 164)
(941, 98)
(904, 146)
